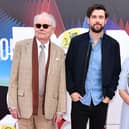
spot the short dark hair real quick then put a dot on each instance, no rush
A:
(97, 7)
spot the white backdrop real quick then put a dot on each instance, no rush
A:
(113, 118)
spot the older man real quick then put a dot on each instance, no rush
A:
(37, 91)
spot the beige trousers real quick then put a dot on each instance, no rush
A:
(36, 122)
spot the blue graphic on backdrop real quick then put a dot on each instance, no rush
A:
(6, 46)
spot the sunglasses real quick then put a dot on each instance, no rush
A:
(45, 26)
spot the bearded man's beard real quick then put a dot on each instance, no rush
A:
(97, 30)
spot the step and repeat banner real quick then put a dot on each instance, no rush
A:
(16, 21)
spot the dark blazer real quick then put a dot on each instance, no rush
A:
(75, 60)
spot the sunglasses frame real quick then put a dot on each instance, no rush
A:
(45, 26)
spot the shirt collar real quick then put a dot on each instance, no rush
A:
(45, 44)
(91, 39)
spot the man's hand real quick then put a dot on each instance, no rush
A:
(106, 100)
(76, 96)
(15, 114)
(57, 118)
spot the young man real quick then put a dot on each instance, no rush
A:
(37, 91)
(92, 71)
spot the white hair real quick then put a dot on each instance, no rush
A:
(45, 14)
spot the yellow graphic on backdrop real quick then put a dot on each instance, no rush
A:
(67, 35)
(8, 127)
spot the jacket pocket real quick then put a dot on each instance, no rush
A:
(21, 93)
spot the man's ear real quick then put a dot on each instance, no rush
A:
(53, 30)
(106, 21)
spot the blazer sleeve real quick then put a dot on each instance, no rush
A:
(69, 63)
(12, 90)
(117, 67)
(115, 70)
(61, 107)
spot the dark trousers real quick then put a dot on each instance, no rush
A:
(96, 115)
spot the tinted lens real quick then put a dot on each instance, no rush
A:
(45, 26)
(38, 25)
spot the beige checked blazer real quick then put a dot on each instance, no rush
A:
(20, 88)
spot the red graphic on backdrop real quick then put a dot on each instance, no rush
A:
(49, 6)
(124, 26)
